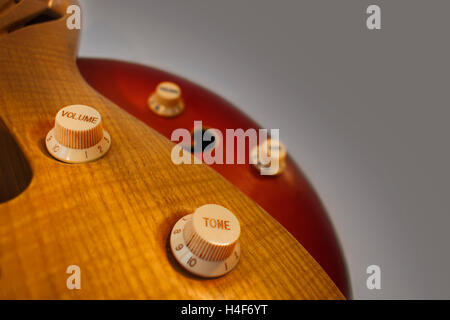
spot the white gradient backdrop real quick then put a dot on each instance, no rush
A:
(365, 113)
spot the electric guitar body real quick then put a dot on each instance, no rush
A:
(114, 217)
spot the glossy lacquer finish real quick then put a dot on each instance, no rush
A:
(287, 197)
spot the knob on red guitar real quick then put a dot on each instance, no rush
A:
(288, 197)
(110, 215)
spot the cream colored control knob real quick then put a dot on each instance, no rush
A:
(78, 135)
(166, 100)
(269, 157)
(206, 243)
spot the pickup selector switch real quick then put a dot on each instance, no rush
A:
(78, 135)
(206, 243)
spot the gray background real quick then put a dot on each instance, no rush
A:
(365, 113)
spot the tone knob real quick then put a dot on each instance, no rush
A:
(206, 243)
(269, 157)
(78, 135)
(166, 100)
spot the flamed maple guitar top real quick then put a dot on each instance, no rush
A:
(112, 217)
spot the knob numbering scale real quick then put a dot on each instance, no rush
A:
(78, 135)
(206, 243)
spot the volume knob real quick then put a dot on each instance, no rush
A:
(269, 157)
(166, 100)
(206, 242)
(78, 135)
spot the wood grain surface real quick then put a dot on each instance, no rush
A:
(112, 217)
